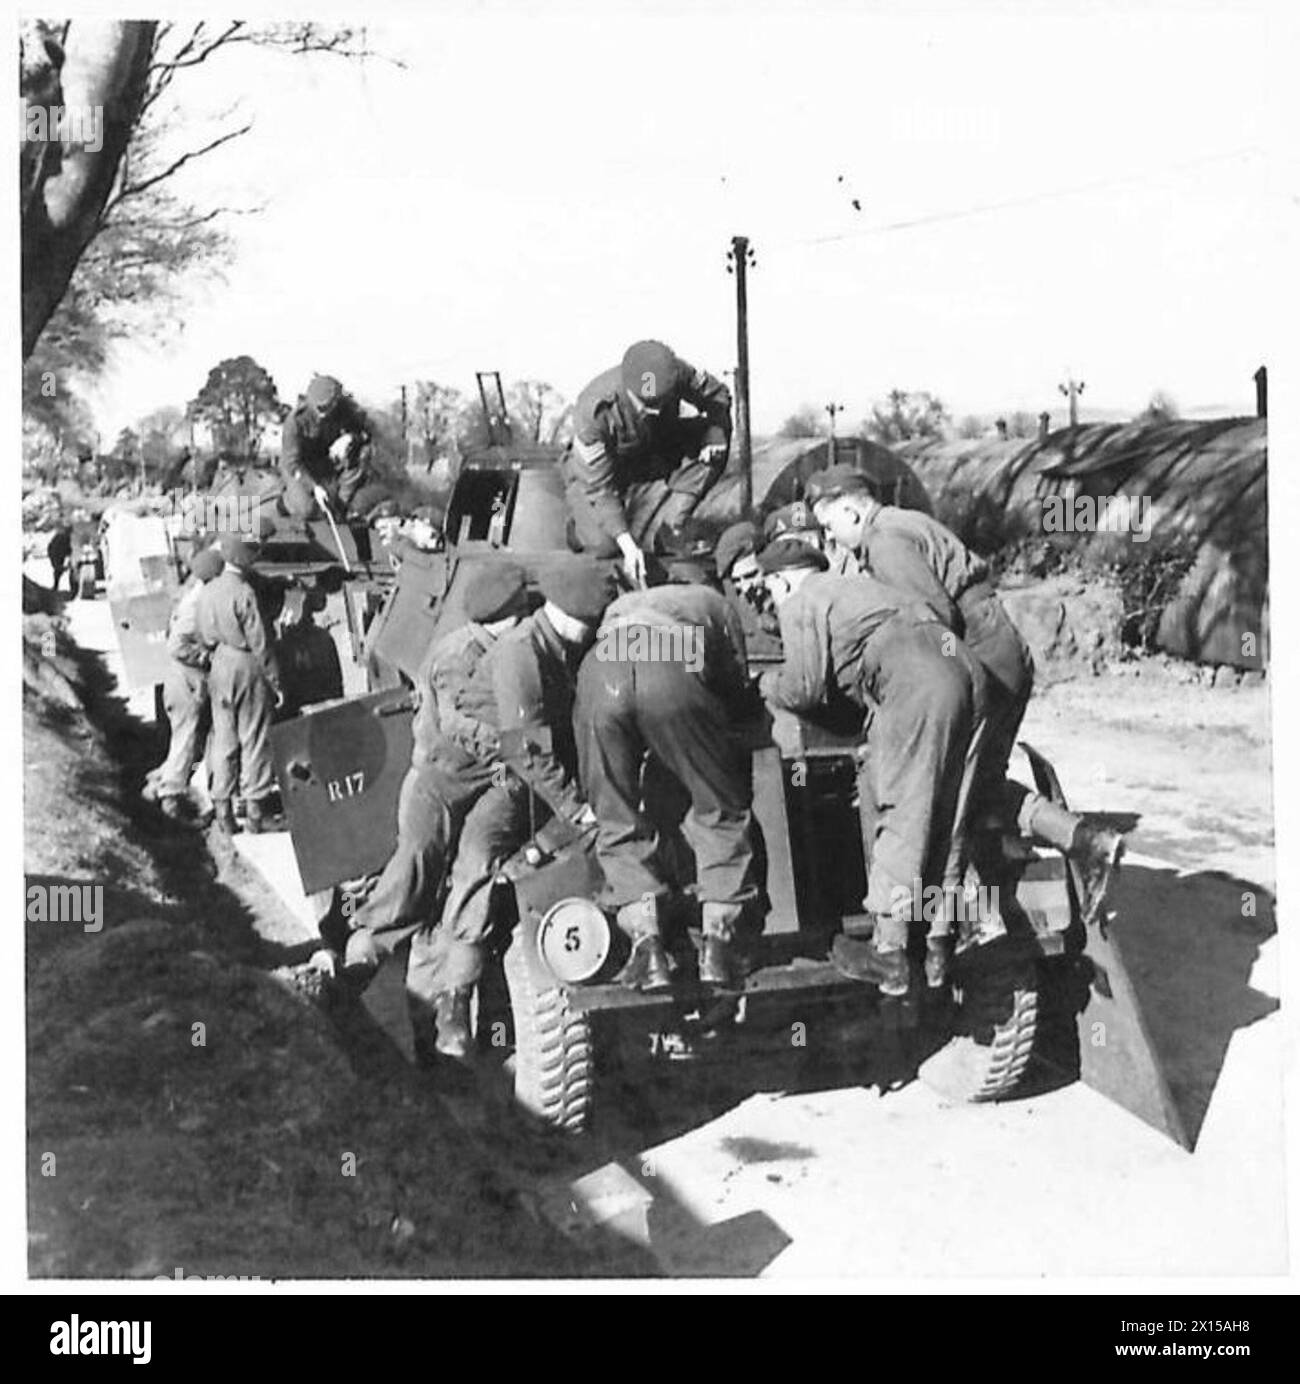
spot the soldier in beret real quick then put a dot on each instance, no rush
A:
(667, 681)
(450, 794)
(324, 450)
(855, 639)
(185, 689)
(636, 468)
(525, 741)
(244, 687)
(921, 557)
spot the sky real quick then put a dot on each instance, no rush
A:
(977, 202)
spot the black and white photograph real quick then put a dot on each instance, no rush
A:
(648, 658)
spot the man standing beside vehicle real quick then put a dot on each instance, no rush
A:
(636, 470)
(324, 450)
(185, 689)
(244, 688)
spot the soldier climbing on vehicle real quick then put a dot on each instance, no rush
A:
(636, 469)
(856, 640)
(324, 451)
(921, 557)
(469, 801)
(667, 681)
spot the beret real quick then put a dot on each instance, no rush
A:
(792, 518)
(235, 551)
(786, 553)
(494, 590)
(740, 540)
(835, 481)
(324, 391)
(581, 587)
(207, 564)
(649, 372)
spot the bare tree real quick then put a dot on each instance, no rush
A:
(538, 410)
(72, 193)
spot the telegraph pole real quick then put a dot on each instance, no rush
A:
(739, 259)
(833, 409)
(1072, 388)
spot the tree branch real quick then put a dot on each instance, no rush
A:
(135, 189)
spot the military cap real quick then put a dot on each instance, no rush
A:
(792, 518)
(236, 552)
(835, 481)
(740, 540)
(787, 553)
(207, 564)
(649, 372)
(324, 392)
(495, 590)
(581, 587)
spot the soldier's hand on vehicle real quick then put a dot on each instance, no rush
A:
(633, 561)
(713, 452)
(341, 446)
(586, 818)
(321, 495)
(278, 693)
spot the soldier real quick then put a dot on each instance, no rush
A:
(323, 450)
(185, 688)
(307, 654)
(735, 561)
(59, 550)
(667, 679)
(855, 639)
(499, 669)
(918, 555)
(244, 686)
(527, 740)
(636, 468)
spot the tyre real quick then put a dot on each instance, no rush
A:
(996, 1021)
(554, 1067)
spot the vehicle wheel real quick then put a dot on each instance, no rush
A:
(996, 1022)
(553, 1067)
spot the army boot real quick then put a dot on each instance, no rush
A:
(224, 815)
(1096, 852)
(880, 960)
(722, 962)
(259, 817)
(647, 968)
